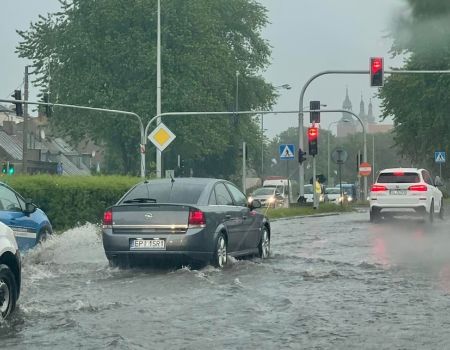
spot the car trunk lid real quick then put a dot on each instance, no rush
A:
(150, 218)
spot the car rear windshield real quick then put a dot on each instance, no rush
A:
(398, 177)
(167, 192)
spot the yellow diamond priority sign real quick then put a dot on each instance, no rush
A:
(161, 137)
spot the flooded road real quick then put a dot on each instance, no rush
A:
(334, 282)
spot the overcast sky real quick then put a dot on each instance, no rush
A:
(307, 37)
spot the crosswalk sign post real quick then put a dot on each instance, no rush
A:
(439, 157)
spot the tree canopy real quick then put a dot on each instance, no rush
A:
(419, 102)
(103, 54)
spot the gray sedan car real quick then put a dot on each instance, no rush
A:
(197, 219)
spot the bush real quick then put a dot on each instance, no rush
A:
(72, 200)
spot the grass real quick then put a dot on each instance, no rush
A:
(276, 213)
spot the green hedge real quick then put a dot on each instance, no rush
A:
(69, 201)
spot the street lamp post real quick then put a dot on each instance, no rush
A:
(328, 149)
(158, 89)
(279, 87)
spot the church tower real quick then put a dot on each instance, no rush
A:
(346, 124)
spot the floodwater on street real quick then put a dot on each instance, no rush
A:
(333, 282)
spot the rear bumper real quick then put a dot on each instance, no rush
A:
(416, 203)
(194, 244)
(386, 207)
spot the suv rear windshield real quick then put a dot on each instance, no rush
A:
(400, 177)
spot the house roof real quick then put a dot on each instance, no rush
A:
(11, 145)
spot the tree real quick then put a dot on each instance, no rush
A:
(103, 54)
(419, 103)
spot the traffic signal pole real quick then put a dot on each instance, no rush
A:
(364, 138)
(301, 128)
(114, 111)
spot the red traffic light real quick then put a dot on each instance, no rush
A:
(376, 71)
(313, 133)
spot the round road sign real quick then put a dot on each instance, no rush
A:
(339, 155)
(365, 169)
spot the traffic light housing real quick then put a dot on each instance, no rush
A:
(301, 156)
(48, 109)
(376, 71)
(8, 168)
(359, 160)
(241, 152)
(314, 117)
(313, 140)
(18, 96)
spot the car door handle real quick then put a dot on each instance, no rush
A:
(244, 217)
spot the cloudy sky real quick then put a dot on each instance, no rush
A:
(307, 37)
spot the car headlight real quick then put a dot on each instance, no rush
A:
(271, 199)
(350, 198)
(250, 199)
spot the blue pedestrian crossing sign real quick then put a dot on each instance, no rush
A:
(439, 157)
(287, 152)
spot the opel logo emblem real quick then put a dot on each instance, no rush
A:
(148, 216)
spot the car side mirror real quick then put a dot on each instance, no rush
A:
(29, 206)
(254, 204)
(438, 182)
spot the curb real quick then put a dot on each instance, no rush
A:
(306, 216)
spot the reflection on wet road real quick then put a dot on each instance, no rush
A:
(334, 282)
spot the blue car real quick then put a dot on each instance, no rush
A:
(29, 223)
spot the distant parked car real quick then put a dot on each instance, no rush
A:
(268, 196)
(29, 223)
(194, 219)
(333, 195)
(10, 271)
(350, 192)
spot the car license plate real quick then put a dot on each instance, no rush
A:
(148, 244)
(397, 192)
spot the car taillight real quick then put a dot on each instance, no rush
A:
(107, 219)
(419, 188)
(378, 188)
(196, 218)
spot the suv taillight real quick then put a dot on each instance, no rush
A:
(107, 219)
(196, 218)
(378, 188)
(419, 188)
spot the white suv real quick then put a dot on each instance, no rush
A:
(10, 271)
(406, 188)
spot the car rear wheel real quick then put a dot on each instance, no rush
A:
(8, 291)
(441, 211)
(220, 252)
(374, 215)
(430, 217)
(264, 244)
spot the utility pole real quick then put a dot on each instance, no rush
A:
(244, 167)
(158, 88)
(25, 125)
